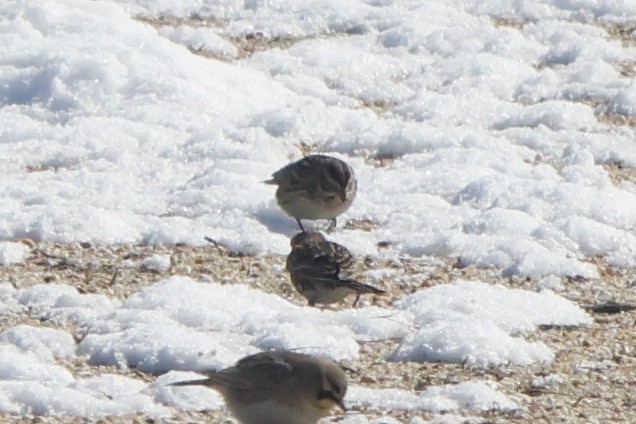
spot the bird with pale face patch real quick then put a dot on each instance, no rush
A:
(279, 387)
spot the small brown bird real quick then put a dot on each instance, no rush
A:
(315, 265)
(279, 387)
(315, 187)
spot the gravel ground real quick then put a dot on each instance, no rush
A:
(595, 367)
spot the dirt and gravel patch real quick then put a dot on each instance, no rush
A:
(592, 379)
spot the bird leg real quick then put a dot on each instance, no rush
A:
(355, 302)
(332, 225)
(300, 224)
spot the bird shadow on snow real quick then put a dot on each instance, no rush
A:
(277, 222)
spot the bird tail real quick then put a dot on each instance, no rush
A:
(364, 288)
(218, 379)
(200, 382)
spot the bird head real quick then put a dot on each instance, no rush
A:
(305, 237)
(334, 387)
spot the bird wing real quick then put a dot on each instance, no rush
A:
(359, 287)
(307, 264)
(297, 174)
(341, 254)
(253, 373)
(270, 368)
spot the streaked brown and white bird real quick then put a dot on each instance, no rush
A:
(315, 187)
(279, 387)
(318, 267)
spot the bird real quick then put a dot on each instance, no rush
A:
(279, 387)
(318, 270)
(315, 187)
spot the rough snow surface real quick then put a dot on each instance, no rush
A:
(481, 135)
(478, 323)
(467, 395)
(156, 263)
(12, 253)
(113, 131)
(182, 324)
